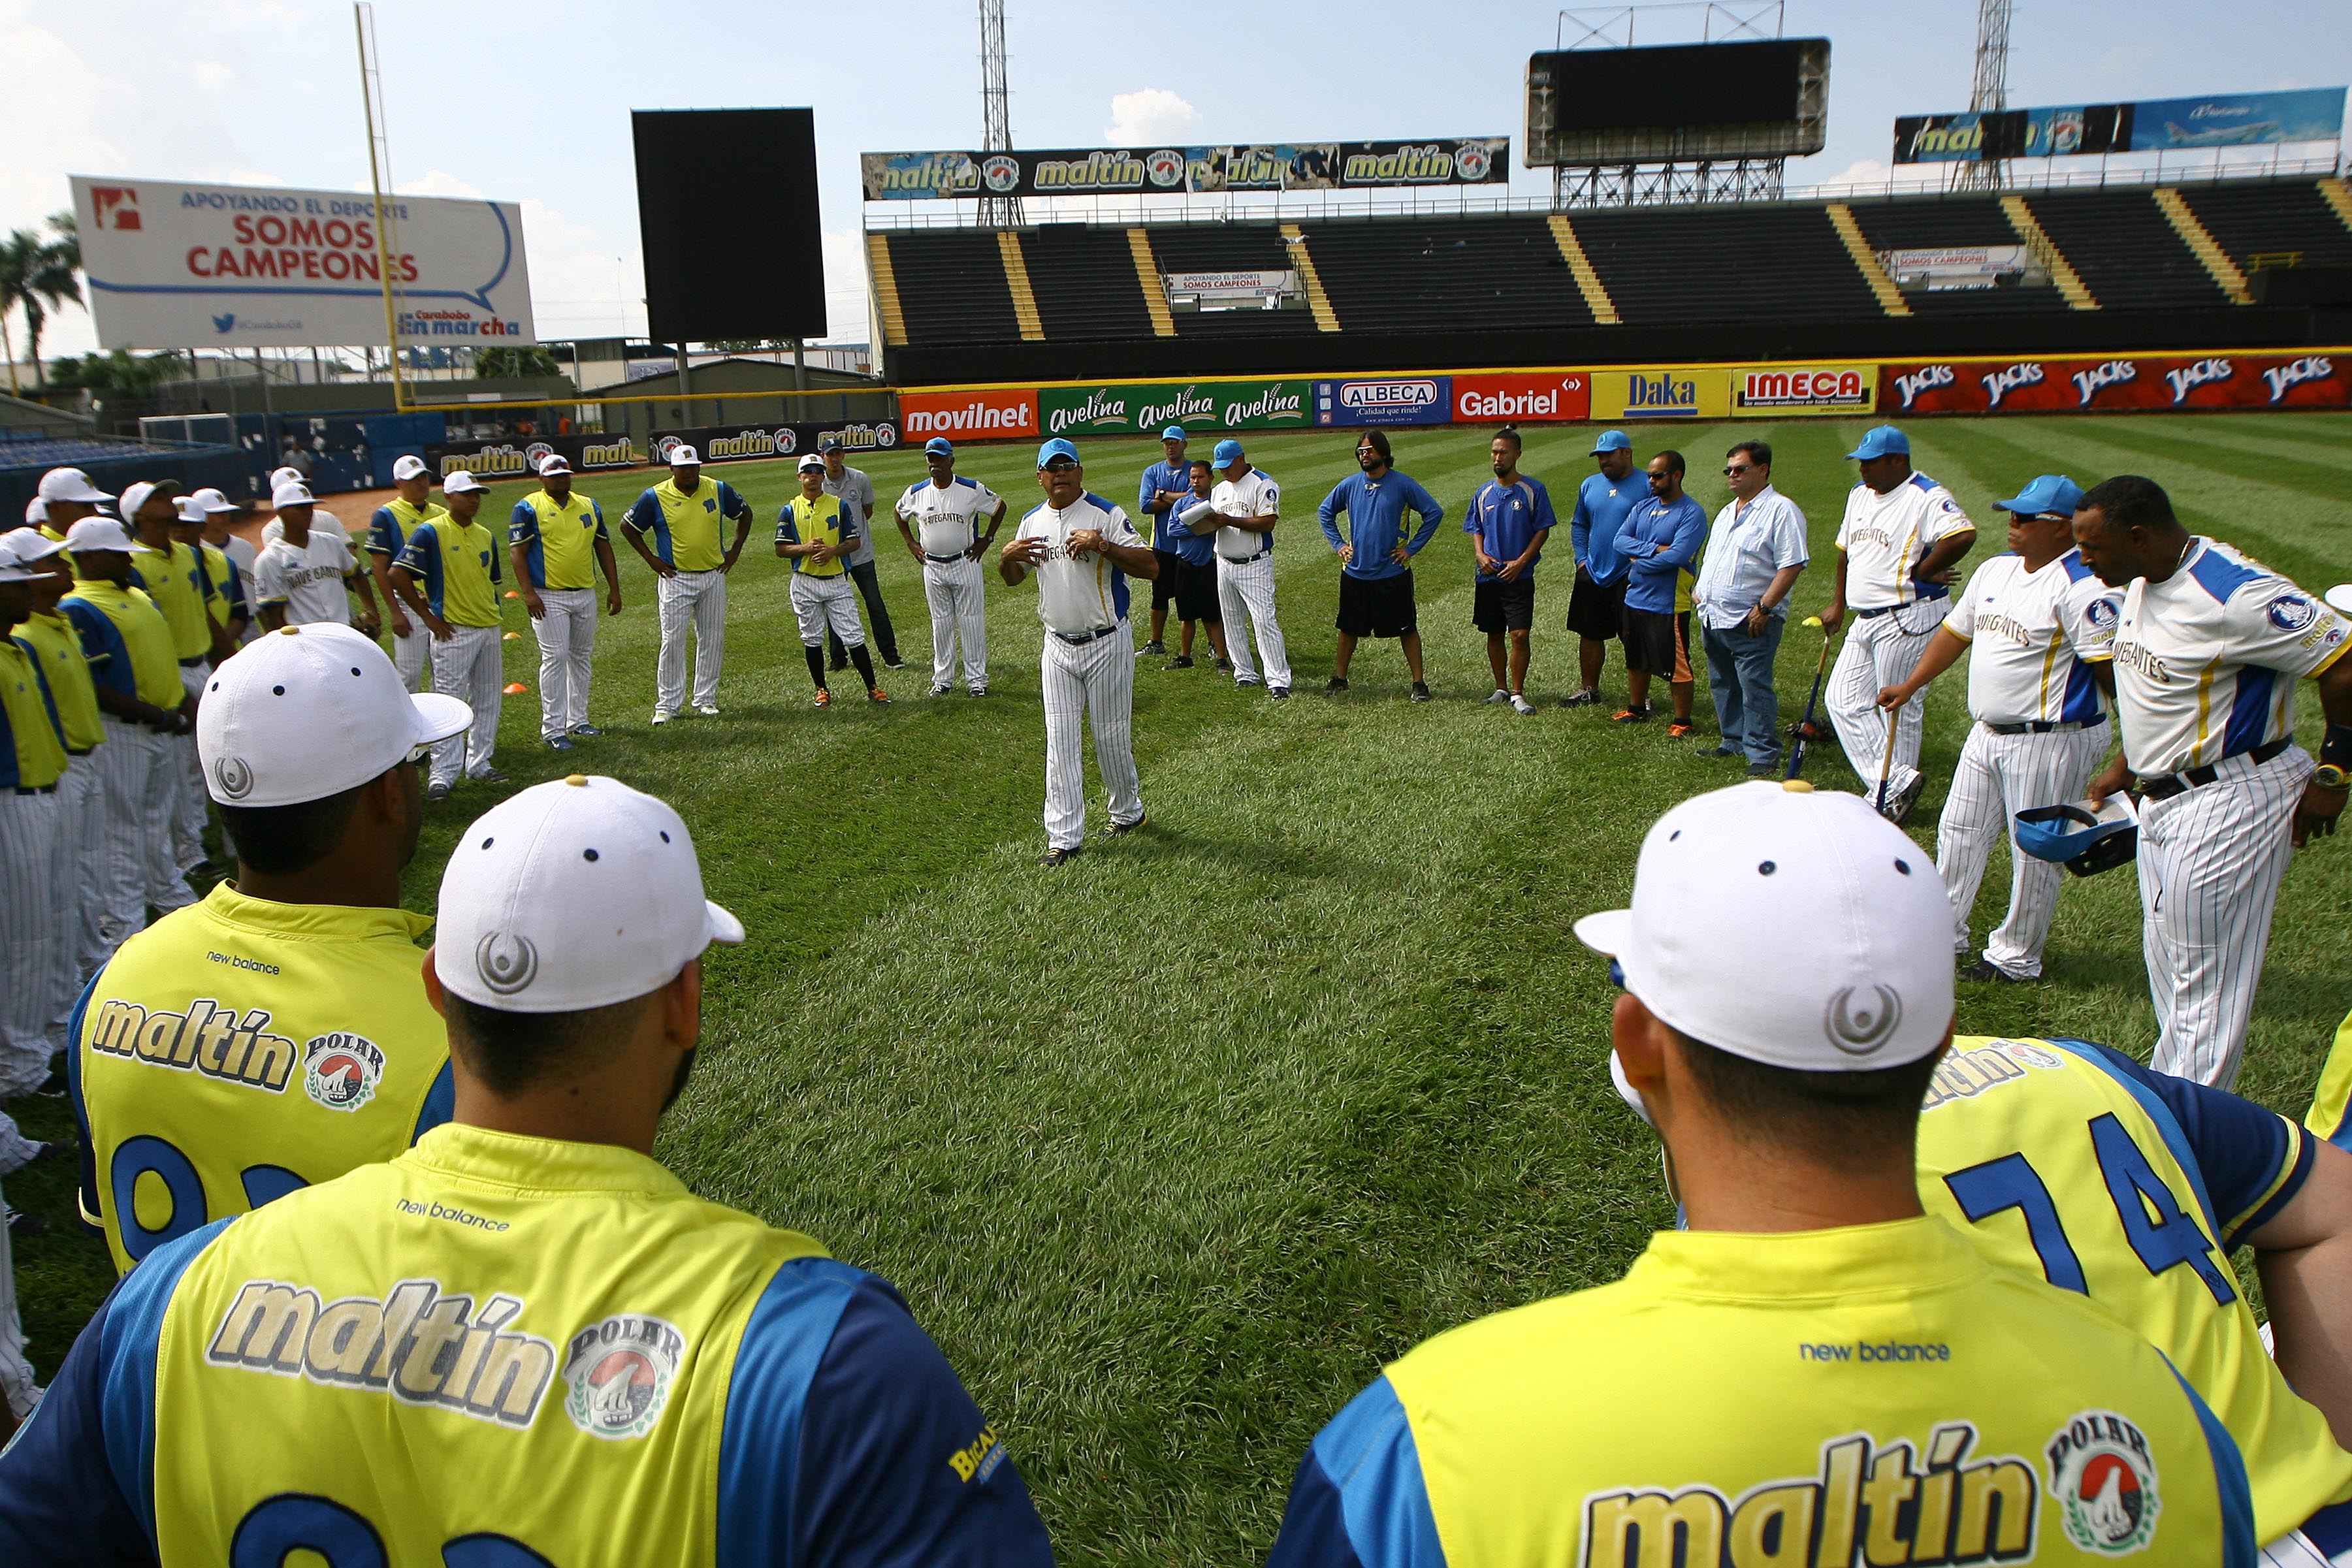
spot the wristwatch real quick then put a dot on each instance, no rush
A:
(2330, 776)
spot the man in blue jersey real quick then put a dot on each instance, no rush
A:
(1596, 607)
(1188, 561)
(523, 1341)
(1507, 521)
(1376, 557)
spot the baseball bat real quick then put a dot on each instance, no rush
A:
(1886, 763)
(1804, 726)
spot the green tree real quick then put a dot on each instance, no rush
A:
(39, 274)
(117, 375)
(500, 363)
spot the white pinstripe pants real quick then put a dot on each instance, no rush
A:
(1997, 776)
(188, 816)
(136, 781)
(959, 601)
(2211, 862)
(1880, 652)
(32, 857)
(83, 944)
(1248, 586)
(567, 647)
(1094, 685)
(468, 666)
(413, 656)
(700, 599)
(16, 1383)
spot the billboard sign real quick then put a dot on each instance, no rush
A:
(2237, 119)
(1669, 393)
(2141, 381)
(747, 442)
(1137, 408)
(1177, 170)
(239, 267)
(2156, 125)
(1803, 389)
(1523, 398)
(980, 414)
(1386, 400)
(517, 457)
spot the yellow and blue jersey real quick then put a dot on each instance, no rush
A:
(52, 642)
(502, 1349)
(32, 738)
(2330, 1115)
(685, 527)
(825, 521)
(457, 565)
(228, 599)
(390, 525)
(126, 640)
(176, 582)
(240, 1049)
(559, 539)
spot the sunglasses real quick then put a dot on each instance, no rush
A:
(1060, 465)
(1735, 472)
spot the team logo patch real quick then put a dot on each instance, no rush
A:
(234, 776)
(341, 1071)
(1858, 1020)
(2104, 1480)
(617, 1374)
(2101, 613)
(506, 962)
(2293, 612)
(2032, 1055)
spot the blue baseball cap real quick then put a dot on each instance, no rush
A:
(1228, 450)
(1174, 433)
(1886, 441)
(939, 446)
(2052, 493)
(1611, 441)
(1057, 447)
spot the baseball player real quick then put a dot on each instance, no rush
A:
(275, 529)
(226, 1082)
(1901, 537)
(2208, 646)
(1188, 561)
(32, 847)
(173, 575)
(66, 498)
(939, 521)
(226, 601)
(307, 574)
(455, 561)
(389, 526)
(2042, 628)
(1788, 997)
(856, 493)
(691, 572)
(1507, 520)
(1248, 503)
(1596, 605)
(524, 1340)
(815, 532)
(1375, 558)
(144, 708)
(1083, 549)
(558, 541)
(216, 510)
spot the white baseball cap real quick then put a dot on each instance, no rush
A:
(684, 456)
(19, 549)
(293, 493)
(553, 463)
(285, 477)
(1796, 928)
(461, 481)
(311, 711)
(190, 511)
(212, 502)
(103, 533)
(812, 461)
(575, 894)
(2340, 597)
(70, 485)
(409, 465)
(37, 512)
(135, 497)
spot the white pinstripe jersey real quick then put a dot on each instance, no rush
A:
(2032, 635)
(1886, 536)
(1076, 596)
(2207, 661)
(1251, 496)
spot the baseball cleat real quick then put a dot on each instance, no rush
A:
(1985, 969)
(707, 710)
(1246, 683)
(439, 791)
(894, 662)
(1763, 770)
(1053, 858)
(559, 742)
(1277, 693)
(1420, 691)
(1226, 665)
(877, 697)
(1500, 696)
(1115, 829)
(661, 718)
(587, 730)
(1335, 685)
(1155, 647)
(941, 688)
(1680, 729)
(1181, 662)
(1631, 716)
(824, 698)
(1719, 750)
(1899, 804)
(980, 691)
(489, 776)
(1520, 705)
(1589, 697)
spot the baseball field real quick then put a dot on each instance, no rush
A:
(1171, 1147)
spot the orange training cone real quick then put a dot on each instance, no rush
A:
(516, 688)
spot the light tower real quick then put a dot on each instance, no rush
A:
(1990, 94)
(996, 113)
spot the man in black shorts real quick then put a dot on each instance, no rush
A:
(1376, 557)
(1169, 486)
(1507, 523)
(1659, 542)
(1596, 608)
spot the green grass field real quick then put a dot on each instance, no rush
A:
(1171, 1148)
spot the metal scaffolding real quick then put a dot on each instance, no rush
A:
(996, 113)
(1989, 95)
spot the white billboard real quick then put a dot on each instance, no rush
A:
(193, 267)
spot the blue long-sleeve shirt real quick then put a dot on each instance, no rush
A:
(1658, 541)
(1167, 533)
(1376, 510)
(1601, 505)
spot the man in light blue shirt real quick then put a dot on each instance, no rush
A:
(1596, 605)
(1376, 557)
(1188, 561)
(1659, 541)
(1757, 548)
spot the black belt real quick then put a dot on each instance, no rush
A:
(42, 790)
(2189, 779)
(1926, 594)
(1246, 559)
(85, 751)
(190, 663)
(943, 559)
(2044, 726)
(1083, 638)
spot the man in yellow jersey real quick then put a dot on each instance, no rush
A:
(129, 645)
(217, 510)
(389, 526)
(277, 1033)
(67, 496)
(817, 534)
(449, 574)
(681, 514)
(1816, 1370)
(558, 541)
(226, 599)
(32, 852)
(524, 1341)
(172, 575)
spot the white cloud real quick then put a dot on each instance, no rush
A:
(210, 75)
(439, 182)
(1147, 117)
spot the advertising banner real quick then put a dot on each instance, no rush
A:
(2137, 381)
(223, 267)
(1663, 394)
(2167, 124)
(744, 443)
(1523, 398)
(1387, 400)
(1146, 408)
(2237, 119)
(1782, 390)
(517, 456)
(983, 414)
(1177, 171)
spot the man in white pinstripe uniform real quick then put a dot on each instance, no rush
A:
(1902, 535)
(1250, 504)
(1083, 549)
(2042, 627)
(940, 519)
(2209, 647)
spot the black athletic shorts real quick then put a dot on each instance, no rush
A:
(1376, 607)
(1163, 587)
(1656, 641)
(1196, 592)
(1500, 606)
(1594, 612)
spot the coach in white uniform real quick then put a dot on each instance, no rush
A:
(2209, 647)
(939, 518)
(2042, 628)
(301, 576)
(1250, 504)
(1084, 550)
(1901, 536)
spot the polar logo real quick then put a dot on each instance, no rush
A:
(2310, 368)
(1923, 378)
(2000, 383)
(1470, 160)
(2188, 378)
(1165, 169)
(1387, 394)
(2114, 373)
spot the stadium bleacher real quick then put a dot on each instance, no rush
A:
(1084, 280)
(1445, 274)
(2261, 223)
(1734, 263)
(952, 288)
(1950, 222)
(1226, 247)
(2127, 254)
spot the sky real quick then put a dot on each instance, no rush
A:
(528, 102)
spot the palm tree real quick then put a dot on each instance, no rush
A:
(39, 274)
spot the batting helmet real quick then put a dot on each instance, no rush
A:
(2085, 842)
